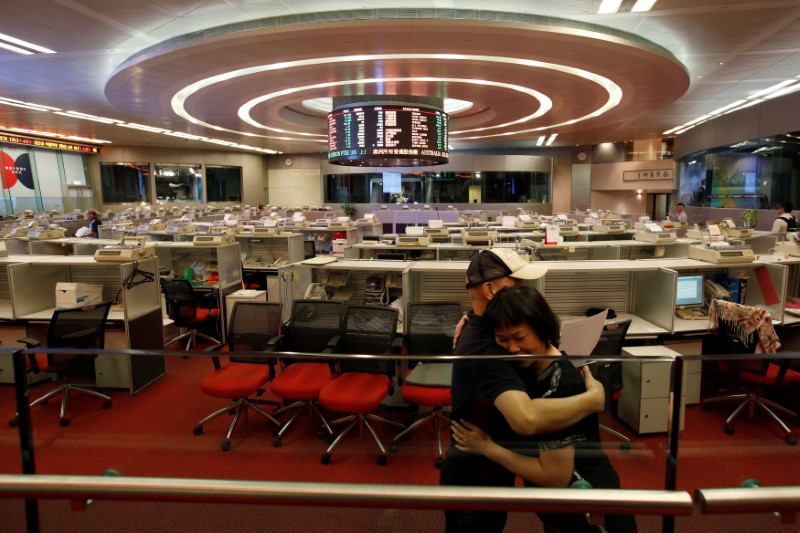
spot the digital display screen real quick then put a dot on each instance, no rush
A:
(387, 136)
(689, 290)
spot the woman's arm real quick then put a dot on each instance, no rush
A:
(551, 469)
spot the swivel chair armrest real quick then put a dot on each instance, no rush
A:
(333, 344)
(274, 343)
(30, 342)
(397, 343)
(215, 359)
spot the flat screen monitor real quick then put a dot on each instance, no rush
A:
(308, 249)
(689, 291)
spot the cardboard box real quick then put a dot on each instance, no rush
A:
(78, 294)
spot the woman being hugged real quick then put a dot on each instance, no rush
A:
(524, 323)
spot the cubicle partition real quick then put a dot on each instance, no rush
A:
(134, 321)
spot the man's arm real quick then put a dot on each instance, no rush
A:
(528, 416)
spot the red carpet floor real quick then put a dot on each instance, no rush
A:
(150, 434)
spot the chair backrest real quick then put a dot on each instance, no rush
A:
(82, 327)
(179, 296)
(430, 327)
(612, 338)
(369, 329)
(729, 338)
(313, 324)
(579, 337)
(252, 325)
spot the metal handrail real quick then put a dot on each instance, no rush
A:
(530, 499)
(741, 500)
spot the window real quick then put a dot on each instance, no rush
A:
(125, 182)
(179, 183)
(223, 184)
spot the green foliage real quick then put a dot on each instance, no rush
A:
(349, 209)
(749, 217)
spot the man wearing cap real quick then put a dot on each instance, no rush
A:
(489, 393)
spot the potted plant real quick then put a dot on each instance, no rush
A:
(749, 217)
(349, 209)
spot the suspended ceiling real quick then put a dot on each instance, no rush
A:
(239, 70)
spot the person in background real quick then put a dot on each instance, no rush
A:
(680, 213)
(94, 224)
(489, 391)
(785, 220)
(523, 323)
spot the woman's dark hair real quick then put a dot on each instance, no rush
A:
(521, 304)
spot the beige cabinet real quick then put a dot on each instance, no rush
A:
(644, 404)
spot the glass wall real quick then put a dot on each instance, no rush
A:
(37, 179)
(125, 182)
(438, 187)
(179, 183)
(223, 184)
(757, 173)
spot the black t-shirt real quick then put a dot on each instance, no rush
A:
(478, 381)
(560, 380)
(94, 227)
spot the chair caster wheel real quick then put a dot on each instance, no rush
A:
(326, 458)
(107, 404)
(728, 430)
(226, 445)
(13, 422)
(381, 460)
(64, 422)
(625, 446)
(393, 447)
(791, 440)
(198, 430)
(276, 442)
(439, 463)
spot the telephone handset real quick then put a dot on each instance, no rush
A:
(714, 291)
(316, 291)
(280, 262)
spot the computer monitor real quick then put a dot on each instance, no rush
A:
(689, 291)
(309, 250)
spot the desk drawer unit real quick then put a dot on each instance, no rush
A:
(644, 404)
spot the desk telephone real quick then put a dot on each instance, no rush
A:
(714, 291)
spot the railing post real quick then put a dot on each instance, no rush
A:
(673, 431)
(25, 435)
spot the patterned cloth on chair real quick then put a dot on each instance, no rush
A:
(746, 322)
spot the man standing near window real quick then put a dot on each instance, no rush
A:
(785, 220)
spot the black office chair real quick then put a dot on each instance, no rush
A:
(362, 383)
(430, 327)
(251, 327)
(732, 337)
(610, 373)
(183, 309)
(313, 324)
(82, 328)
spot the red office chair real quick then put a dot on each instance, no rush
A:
(361, 383)
(183, 309)
(430, 327)
(742, 329)
(252, 326)
(82, 328)
(314, 323)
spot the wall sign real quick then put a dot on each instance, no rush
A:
(648, 175)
